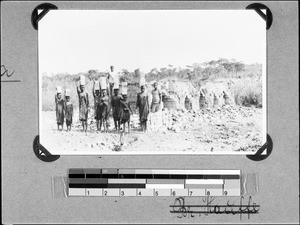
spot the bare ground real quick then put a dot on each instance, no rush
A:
(223, 130)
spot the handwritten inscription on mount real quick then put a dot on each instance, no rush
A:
(8, 74)
(207, 207)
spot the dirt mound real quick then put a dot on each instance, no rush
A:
(227, 128)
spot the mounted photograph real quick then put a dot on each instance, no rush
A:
(140, 82)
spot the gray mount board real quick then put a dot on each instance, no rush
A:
(26, 181)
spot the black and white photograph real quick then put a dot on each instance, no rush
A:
(150, 112)
(152, 82)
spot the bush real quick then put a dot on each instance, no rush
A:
(247, 92)
(65, 81)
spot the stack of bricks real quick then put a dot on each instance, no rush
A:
(161, 120)
(158, 121)
(134, 121)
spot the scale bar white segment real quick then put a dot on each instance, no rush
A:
(164, 186)
(126, 181)
(208, 181)
(206, 172)
(76, 191)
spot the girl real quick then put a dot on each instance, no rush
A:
(115, 103)
(156, 98)
(97, 102)
(125, 112)
(83, 105)
(68, 110)
(143, 104)
(59, 106)
(104, 101)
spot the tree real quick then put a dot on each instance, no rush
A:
(228, 66)
(238, 67)
(92, 74)
(233, 66)
(125, 72)
(127, 76)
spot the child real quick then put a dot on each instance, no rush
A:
(83, 103)
(111, 78)
(103, 109)
(115, 103)
(156, 99)
(68, 110)
(143, 104)
(125, 111)
(104, 103)
(59, 106)
(97, 98)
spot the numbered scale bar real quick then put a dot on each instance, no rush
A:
(142, 182)
(149, 192)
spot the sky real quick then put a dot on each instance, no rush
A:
(74, 41)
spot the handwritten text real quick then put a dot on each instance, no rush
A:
(183, 210)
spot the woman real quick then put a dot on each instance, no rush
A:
(68, 111)
(83, 105)
(59, 106)
(125, 112)
(143, 104)
(103, 109)
(115, 103)
(97, 102)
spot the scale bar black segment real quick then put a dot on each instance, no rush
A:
(212, 176)
(110, 175)
(195, 176)
(233, 177)
(88, 181)
(102, 185)
(178, 176)
(144, 176)
(76, 175)
(161, 176)
(131, 176)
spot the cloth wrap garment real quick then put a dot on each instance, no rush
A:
(68, 113)
(104, 107)
(143, 104)
(115, 103)
(83, 105)
(155, 105)
(97, 104)
(124, 111)
(59, 106)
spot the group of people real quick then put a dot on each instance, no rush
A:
(107, 98)
(64, 109)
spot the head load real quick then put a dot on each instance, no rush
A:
(67, 93)
(97, 86)
(123, 88)
(58, 89)
(82, 80)
(116, 83)
(103, 84)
